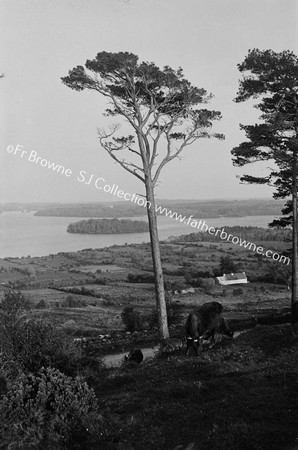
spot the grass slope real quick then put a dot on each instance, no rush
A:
(241, 395)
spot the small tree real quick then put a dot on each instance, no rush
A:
(160, 106)
(226, 265)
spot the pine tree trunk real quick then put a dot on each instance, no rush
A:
(295, 243)
(158, 274)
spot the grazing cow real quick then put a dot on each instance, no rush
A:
(203, 323)
(135, 355)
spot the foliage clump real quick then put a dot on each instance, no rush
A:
(50, 411)
(27, 344)
(42, 304)
(131, 319)
(74, 302)
(14, 307)
(140, 278)
(227, 265)
(206, 283)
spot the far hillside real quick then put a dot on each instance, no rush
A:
(252, 234)
(197, 208)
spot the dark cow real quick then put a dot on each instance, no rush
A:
(202, 325)
(135, 355)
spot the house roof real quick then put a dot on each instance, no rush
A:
(234, 276)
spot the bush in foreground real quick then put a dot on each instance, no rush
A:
(29, 344)
(49, 411)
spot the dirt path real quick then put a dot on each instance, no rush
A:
(116, 359)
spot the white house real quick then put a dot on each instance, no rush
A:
(232, 278)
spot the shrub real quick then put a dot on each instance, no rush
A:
(131, 277)
(9, 368)
(140, 278)
(102, 281)
(12, 320)
(188, 278)
(86, 291)
(216, 272)
(14, 306)
(35, 343)
(7, 372)
(49, 410)
(206, 283)
(73, 302)
(201, 273)
(42, 304)
(131, 319)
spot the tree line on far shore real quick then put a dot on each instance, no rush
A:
(108, 226)
(252, 234)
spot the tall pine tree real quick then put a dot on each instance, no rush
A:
(273, 78)
(165, 116)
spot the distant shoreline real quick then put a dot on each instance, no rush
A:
(212, 208)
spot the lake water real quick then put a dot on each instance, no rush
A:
(23, 234)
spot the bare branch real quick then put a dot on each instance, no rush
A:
(126, 165)
(119, 145)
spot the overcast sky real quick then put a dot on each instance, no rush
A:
(41, 40)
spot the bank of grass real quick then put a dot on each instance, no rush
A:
(241, 395)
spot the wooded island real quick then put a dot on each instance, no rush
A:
(108, 226)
